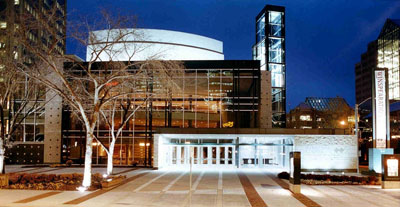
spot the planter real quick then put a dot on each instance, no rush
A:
(112, 181)
(3, 180)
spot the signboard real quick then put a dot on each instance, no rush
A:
(390, 167)
(380, 109)
(295, 168)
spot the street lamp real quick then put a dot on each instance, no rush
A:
(356, 130)
(356, 115)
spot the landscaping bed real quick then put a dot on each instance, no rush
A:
(66, 182)
(326, 179)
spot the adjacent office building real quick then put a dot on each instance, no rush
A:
(33, 139)
(381, 53)
(270, 50)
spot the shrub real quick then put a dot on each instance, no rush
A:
(69, 163)
(283, 175)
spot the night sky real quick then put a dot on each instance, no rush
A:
(324, 39)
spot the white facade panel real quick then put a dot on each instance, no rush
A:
(144, 44)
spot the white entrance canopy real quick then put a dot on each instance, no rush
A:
(212, 148)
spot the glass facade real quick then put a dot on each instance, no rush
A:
(215, 94)
(270, 50)
(388, 56)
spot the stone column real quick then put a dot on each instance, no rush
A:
(52, 128)
(265, 107)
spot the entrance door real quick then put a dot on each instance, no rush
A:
(203, 156)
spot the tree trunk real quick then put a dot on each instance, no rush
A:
(110, 164)
(2, 157)
(87, 176)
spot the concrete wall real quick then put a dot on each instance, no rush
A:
(265, 108)
(52, 128)
(327, 152)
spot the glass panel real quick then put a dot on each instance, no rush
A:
(214, 155)
(275, 17)
(182, 155)
(260, 28)
(195, 155)
(222, 155)
(205, 154)
(230, 155)
(174, 152)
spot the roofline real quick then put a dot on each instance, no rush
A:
(270, 7)
(275, 131)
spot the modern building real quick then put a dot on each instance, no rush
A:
(364, 71)
(322, 113)
(155, 44)
(381, 53)
(270, 50)
(30, 145)
(11, 13)
(216, 94)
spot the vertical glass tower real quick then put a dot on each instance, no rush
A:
(270, 50)
(388, 55)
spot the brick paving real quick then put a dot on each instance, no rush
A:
(218, 187)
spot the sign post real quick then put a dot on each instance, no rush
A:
(391, 171)
(295, 172)
(380, 116)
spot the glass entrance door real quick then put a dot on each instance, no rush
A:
(202, 155)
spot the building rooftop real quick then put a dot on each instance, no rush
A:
(325, 104)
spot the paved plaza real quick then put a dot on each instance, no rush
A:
(233, 188)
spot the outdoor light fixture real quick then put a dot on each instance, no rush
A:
(81, 189)
(105, 175)
(342, 123)
(327, 172)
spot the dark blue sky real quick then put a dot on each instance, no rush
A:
(324, 39)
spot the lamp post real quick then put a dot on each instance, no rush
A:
(356, 130)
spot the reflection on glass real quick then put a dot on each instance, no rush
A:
(205, 155)
(214, 155)
(222, 155)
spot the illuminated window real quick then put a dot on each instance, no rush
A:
(3, 25)
(392, 167)
(16, 2)
(305, 118)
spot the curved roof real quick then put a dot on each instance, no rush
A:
(172, 45)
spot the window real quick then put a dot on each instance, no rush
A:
(16, 2)
(275, 23)
(305, 118)
(3, 25)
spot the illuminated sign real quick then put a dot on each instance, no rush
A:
(392, 167)
(291, 167)
(380, 109)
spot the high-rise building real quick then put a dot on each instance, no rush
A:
(381, 53)
(388, 55)
(270, 50)
(36, 132)
(363, 69)
(13, 11)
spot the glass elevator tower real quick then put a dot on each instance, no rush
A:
(270, 50)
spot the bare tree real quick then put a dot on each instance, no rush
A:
(90, 87)
(20, 97)
(153, 80)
